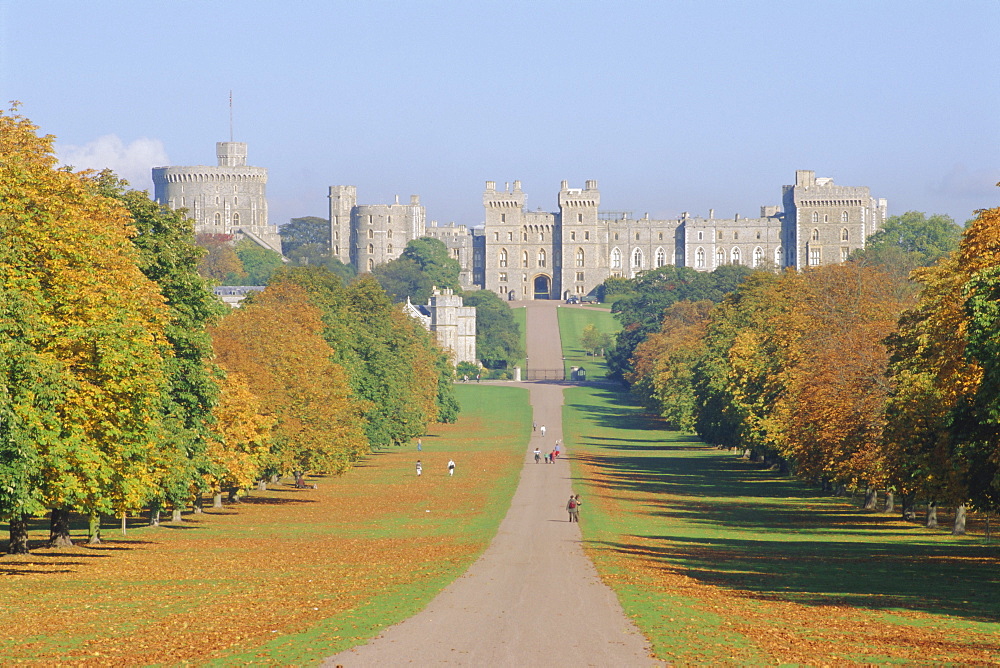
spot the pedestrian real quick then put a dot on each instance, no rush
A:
(451, 467)
(546, 458)
(578, 504)
(552, 457)
(534, 426)
(420, 445)
(420, 469)
(477, 377)
(558, 449)
(572, 509)
(543, 431)
(538, 455)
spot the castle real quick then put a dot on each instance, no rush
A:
(453, 324)
(521, 254)
(226, 199)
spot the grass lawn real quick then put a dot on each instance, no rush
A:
(721, 561)
(520, 314)
(287, 577)
(572, 320)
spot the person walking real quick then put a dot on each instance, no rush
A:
(420, 468)
(420, 445)
(534, 426)
(578, 504)
(573, 509)
(538, 455)
(451, 467)
(543, 431)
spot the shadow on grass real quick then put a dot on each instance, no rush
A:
(269, 501)
(727, 522)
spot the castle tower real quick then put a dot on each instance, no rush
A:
(506, 241)
(343, 199)
(229, 198)
(584, 242)
(367, 235)
(826, 222)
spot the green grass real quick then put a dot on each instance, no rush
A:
(728, 524)
(572, 321)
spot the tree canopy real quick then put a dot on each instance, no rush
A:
(498, 336)
(423, 265)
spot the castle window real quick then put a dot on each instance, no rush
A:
(455, 251)
(814, 257)
(503, 276)
(510, 236)
(616, 259)
(845, 235)
(218, 218)
(844, 252)
(699, 258)
(217, 201)
(496, 236)
(371, 219)
(778, 258)
(586, 236)
(388, 234)
(236, 219)
(660, 237)
(579, 275)
(524, 259)
(616, 236)
(579, 217)
(735, 256)
(720, 235)
(701, 236)
(336, 250)
(503, 217)
(371, 234)
(843, 217)
(720, 257)
(579, 257)
(661, 257)
(183, 200)
(236, 201)
(524, 236)
(572, 236)
(758, 256)
(541, 258)
(758, 234)
(336, 235)
(736, 235)
(636, 236)
(815, 234)
(815, 216)
(388, 249)
(371, 264)
(503, 257)
(826, 218)
(637, 258)
(541, 236)
(371, 249)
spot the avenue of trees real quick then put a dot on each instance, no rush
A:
(879, 374)
(125, 385)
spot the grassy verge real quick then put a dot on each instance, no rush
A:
(288, 577)
(721, 561)
(520, 314)
(572, 321)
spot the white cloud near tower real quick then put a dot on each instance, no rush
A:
(132, 161)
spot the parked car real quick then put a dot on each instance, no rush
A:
(573, 300)
(590, 299)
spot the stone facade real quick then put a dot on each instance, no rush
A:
(229, 198)
(522, 254)
(453, 324)
(371, 234)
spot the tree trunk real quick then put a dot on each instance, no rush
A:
(890, 502)
(871, 498)
(18, 526)
(262, 485)
(841, 490)
(217, 500)
(154, 515)
(908, 512)
(94, 530)
(931, 514)
(196, 507)
(959, 528)
(59, 528)
(300, 481)
(234, 495)
(175, 515)
(275, 478)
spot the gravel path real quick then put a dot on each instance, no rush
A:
(532, 598)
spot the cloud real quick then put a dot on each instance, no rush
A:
(959, 182)
(131, 162)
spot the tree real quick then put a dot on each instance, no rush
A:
(593, 340)
(259, 263)
(275, 343)
(403, 278)
(498, 336)
(307, 231)
(82, 343)
(220, 264)
(909, 241)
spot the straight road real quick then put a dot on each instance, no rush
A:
(533, 598)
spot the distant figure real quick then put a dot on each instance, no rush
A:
(546, 458)
(534, 426)
(552, 457)
(543, 431)
(477, 377)
(538, 455)
(558, 449)
(573, 509)
(420, 445)
(420, 469)
(578, 504)
(451, 467)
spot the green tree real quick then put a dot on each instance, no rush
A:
(498, 336)
(909, 241)
(306, 231)
(423, 265)
(259, 263)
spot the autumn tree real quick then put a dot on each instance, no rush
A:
(83, 343)
(275, 343)
(220, 264)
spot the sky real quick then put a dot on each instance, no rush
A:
(671, 105)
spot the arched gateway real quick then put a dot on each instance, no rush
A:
(543, 286)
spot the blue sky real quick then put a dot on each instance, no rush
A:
(671, 106)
